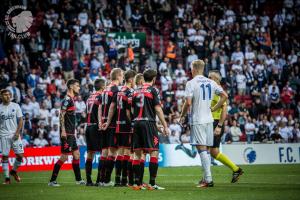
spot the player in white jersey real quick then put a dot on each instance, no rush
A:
(199, 93)
(11, 123)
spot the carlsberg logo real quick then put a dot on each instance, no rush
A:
(124, 41)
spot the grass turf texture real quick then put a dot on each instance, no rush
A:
(258, 182)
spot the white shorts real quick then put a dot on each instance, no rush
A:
(202, 134)
(7, 143)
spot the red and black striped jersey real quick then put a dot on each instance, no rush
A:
(68, 106)
(92, 105)
(144, 100)
(123, 102)
(109, 95)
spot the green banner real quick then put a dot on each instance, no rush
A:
(123, 38)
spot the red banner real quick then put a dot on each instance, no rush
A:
(36, 159)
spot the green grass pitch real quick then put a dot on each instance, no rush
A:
(264, 182)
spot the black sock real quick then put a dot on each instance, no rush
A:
(109, 168)
(130, 172)
(118, 169)
(153, 167)
(88, 170)
(76, 169)
(142, 165)
(136, 171)
(124, 169)
(56, 169)
(101, 170)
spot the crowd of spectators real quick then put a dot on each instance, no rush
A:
(254, 45)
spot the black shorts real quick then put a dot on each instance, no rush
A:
(217, 138)
(68, 145)
(124, 140)
(145, 136)
(93, 138)
(109, 138)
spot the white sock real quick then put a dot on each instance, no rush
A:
(16, 165)
(205, 161)
(5, 169)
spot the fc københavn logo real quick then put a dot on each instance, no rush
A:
(249, 155)
(18, 20)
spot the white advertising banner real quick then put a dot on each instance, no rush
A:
(172, 155)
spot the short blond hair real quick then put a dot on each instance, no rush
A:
(115, 73)
(138, 78)
(198, 65)
(215, 75)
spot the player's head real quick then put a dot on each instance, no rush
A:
(5, 96)
(129, 77)
(150, 76)
(116, 75)
(99, 84)
(197, 67)
(139, 79)
(73, 85)
(215, 76)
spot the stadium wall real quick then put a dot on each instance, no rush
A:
(172, 155)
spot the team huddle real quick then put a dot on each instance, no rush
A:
(122, 125)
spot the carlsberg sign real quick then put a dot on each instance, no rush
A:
(123, 38)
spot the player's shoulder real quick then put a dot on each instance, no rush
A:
(154, 89)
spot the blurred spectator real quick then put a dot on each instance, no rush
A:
(40, 141)
(54, 136)
(235, 131)
(250, 130)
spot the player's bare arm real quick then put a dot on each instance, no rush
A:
(100, 116)
(223, 98)
(20, 126)
(161, 117)
(111, 113)
(128, 114)
(62, 123)
(186, 106)
(222, 119)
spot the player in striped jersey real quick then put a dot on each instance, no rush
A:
(93, 134)
(110, 146)
(121, 107)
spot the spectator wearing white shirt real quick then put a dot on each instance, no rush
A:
(180, 92)
(107, 23)
(44, 114)
(179, 69)
(174, 138)
(86, 41)
(54, 136)
(285, 132)
(186, 137)
(250, 130)
(235, 132)
(55, 118)
(192, 56)
(83, 18)
(238, 55)
(27, 107)
(15, 91)
(241, 83)
(40, 141)
(174, 126)
(250, 55)
(80, 139)
(80, 108)
(36, 107)
(165, 80)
